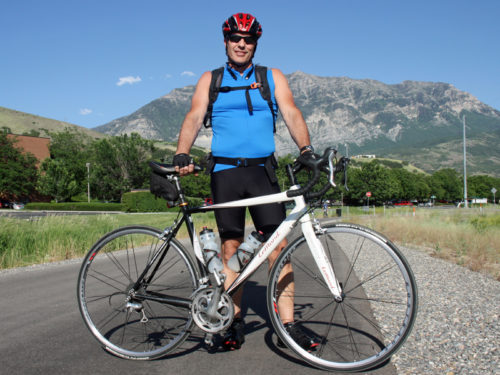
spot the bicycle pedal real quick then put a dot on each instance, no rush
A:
(209, 340)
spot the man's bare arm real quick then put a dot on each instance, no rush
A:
(194, 119)
(291, 114)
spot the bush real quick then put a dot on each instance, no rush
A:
(75, 206)
(144, 201)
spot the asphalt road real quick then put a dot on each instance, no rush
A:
(42, 332)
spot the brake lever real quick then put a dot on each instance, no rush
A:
(331, 178)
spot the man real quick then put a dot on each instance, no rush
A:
(242, 148)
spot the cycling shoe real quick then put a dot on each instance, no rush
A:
(235, 335)
(299, 336)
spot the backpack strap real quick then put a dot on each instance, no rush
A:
(261, 83)
(212, 94)
(265, 90)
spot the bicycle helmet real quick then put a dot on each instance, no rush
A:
(243, 23)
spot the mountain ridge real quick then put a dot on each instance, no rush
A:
(416, 121)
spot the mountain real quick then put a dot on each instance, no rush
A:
(420, 122)
(20, 122)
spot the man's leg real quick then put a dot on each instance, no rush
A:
(285, 284)
(229, 247)
(235, 335)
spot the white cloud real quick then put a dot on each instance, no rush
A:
(187, 73)
(128, 80)
(85, 111)
(167, 76)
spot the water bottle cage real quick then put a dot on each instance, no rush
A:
(246, 257)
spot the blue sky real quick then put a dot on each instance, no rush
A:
(89, 62)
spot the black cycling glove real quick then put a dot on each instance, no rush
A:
(308, 159)
(182, 160)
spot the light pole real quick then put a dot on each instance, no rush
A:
(465, 172)
(88, 182)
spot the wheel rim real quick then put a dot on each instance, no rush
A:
(128, 326)
(378, 309)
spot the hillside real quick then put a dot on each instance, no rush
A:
(418, 122)
(21, 122)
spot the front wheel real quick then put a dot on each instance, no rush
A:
(143, 322)
(379, 303)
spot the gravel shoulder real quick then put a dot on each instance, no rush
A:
(457, 330)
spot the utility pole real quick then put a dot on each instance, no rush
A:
(88, 182)
(465, 170)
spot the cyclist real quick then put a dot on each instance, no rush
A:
(242, 164)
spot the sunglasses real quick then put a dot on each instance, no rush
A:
(248, 39)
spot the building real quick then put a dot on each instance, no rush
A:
(364, 157)
(38, 146)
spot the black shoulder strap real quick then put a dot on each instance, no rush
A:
(212, 94)
(265, 90)
(215, 88)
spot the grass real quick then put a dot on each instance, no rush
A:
(470, 238)
(56, 238)
(467, 237)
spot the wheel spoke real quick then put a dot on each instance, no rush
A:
(129, 323)
(378, 303)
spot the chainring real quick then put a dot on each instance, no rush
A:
(223, 316)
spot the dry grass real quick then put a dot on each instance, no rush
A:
(56, 238)
(467, 237)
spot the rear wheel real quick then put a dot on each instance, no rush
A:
(379, 305)
(143, 323)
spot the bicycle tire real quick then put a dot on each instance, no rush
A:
(379, 306)
(136, 328)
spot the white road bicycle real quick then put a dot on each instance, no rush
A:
(140, 292)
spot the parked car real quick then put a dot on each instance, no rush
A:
(403, 203)
(17, 206)
(5, 204)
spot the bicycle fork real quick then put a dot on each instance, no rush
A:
(321, 259)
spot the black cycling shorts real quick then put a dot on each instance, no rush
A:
(239, 183)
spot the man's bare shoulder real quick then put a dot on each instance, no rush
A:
(278, 76)
(206, 76)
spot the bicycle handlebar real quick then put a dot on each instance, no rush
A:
(163, 169)
(317, 164)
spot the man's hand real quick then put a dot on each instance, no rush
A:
(308, 159)
(183, 164)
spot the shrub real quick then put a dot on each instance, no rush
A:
(144, 201)
(75, 206)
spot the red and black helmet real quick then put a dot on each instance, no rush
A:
(243, 23)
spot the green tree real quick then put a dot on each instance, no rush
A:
(58, 181)
(412, 185)
(18, 172)
(445, 184)
(374, 178)
(197, 186)
(65, 174)
(480, 186)
(120, 164)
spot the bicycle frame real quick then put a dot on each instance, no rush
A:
(299, 213)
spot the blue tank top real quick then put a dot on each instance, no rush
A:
(236, 133)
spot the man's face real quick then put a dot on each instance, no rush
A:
(240, 51)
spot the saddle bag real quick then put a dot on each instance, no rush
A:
(161, 187)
